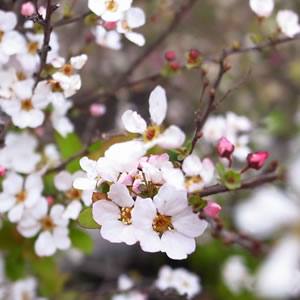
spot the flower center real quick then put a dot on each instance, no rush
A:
(47, 223)
(193, 180)
(151, 133)
(21, 76)
(25, 296)
(111, 5)
(21, 197)
(162, 223)
(98, 196)
(125, 215)
(1, 35)
(56, 87)
(27, 105)
(32, 47)
(67, 69)
(74, 194)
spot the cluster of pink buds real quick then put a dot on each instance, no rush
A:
(170, 57)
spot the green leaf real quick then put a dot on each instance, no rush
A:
(68, 145)
(232, 179)
(220, 170)
(197, 202)
(14, 264)
(256, 38)
(86, 220)
(81, 240)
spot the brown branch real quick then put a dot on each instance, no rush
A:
(176, 21)
(247, 184)
(66, 21)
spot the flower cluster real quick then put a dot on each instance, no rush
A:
(138, 198)
(118, 18)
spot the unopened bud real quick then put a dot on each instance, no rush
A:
(194, 54)
(225, 148)
(170, 55)
(27, 9)
(175, 65)
(212, 209)
(110, 25)
(97, 110)
(256, 160)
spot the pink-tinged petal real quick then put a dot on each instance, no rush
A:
(126, 179)
(133, 122)
(61, 238)
(119, 194)
(176, 245)
(44, 245)
(105, 211)
(6, 202)
(188, 223)
(192, 165)
(143, 214)
(15, 214)
(158, 105)
(172, 138)
(170, 201)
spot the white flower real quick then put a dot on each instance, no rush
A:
(11, 41)
(115, 216)
(19, 152)
(199, 173)
(276, 277)
(172, 138)
(125, 282)
(63, 181)
(133, 18)
(167, 223)
(288, 22)
(110, 39)
(235, 274)
(19, 194)
(184, 282)
(263, 8)
(54, 231)
(24, 289)
(26, 108)
(267, 211)
(68, 80)
(236, 124)
(109, 10)
(214, 128)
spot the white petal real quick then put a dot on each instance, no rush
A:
(135, 17)
(13, 43)
(44, 245)
(176, 245)
(8, 21)
(6, 202)
(192, 165)
(13, 183)
(61, 238)
(106, 169)
(116, 232)
(188, 223)
(170, 201)
(133, 122)
(16, 213)
(96, 6)
(63, 181)
(28, 227)
(262, 8)
(172, 138)
(105, 211)
(136, 38)
(73, 210)
(119, 194)
(84, 184)
(79, 61)
(149, 241)
(158, 105)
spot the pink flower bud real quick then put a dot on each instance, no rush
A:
(50, 200)
(110, 25)
(27, 9)
(175, 65)
(97, 110)
(170, 55)
(40, 131)
(2, 171)
(212, 209)
(225, 148)
(194, 54)
(256, 160)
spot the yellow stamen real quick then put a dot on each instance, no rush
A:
(111, 5)
(27, 105)
(125, 215)
(74, 194)
(67, 69)
(32, 47)
(21, 197)
(151, 133)
(47, 223)
(162, 223)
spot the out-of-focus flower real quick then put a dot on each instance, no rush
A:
(212, 208)
(27, 9)
(263, 8)
(183, 281)
(97, 110)
(288, 22)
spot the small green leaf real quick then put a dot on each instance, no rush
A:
(256, 38)
(86, 220)
(220, 170)
(197, 202)
(68, 145)
(81, 240)
(91, 20)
